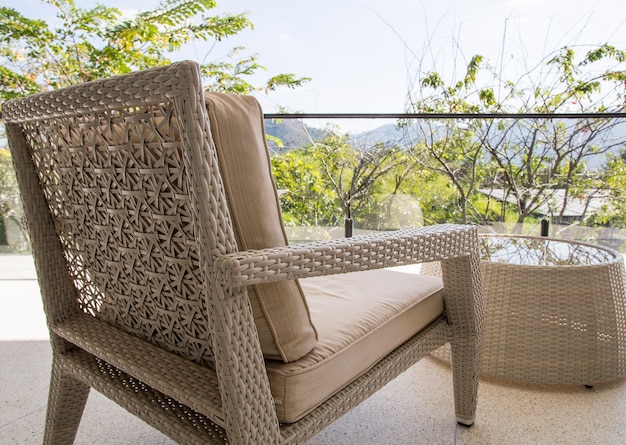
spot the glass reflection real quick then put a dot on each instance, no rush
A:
(541, 252)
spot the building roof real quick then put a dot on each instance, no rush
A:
(593, 200)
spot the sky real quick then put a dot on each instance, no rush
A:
(363, 55)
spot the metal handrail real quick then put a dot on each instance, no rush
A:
(444, 115)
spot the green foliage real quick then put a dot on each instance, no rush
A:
(454, 151)
(526, 158)
(487, 97)
(437, 199)
(85, 44)
(353, 173)
(10, 206)
(331, 179)
(306, 200)
(614, 177)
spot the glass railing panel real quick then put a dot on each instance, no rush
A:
(504, 172)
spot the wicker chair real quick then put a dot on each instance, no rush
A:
(169, 286)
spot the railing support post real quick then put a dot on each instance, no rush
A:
(348, 225)
(545, 227)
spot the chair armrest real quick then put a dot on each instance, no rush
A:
(456, 246)
(386, 249)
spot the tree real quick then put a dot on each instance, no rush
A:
(394, 200)
(451, 147)
(10, 207)
(614, 178)
(536, 157)
(530, 158)
(329, 181)
(353, 172)
(305, 197)
(85, 44)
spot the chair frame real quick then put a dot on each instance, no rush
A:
(191, 402)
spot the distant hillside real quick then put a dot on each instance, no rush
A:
(391, 133)
(387, 134)
(293, 133)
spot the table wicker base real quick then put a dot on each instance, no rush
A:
(554, 324)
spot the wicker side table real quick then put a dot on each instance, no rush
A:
(555, 311)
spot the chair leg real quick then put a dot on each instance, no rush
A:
(465, 373)
(66, 402)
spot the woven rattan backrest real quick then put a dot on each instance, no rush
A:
(131, 183)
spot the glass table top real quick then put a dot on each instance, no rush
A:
(535, 251)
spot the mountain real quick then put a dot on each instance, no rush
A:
(293, 133)
(614, 138)
(390, 134)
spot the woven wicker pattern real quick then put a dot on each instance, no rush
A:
(556, 318)
(118, 187)
(343, 255)
(144, 289)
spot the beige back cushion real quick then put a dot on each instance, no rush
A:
(280, 309)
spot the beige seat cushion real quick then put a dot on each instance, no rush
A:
(360, 318)
(280, 309)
